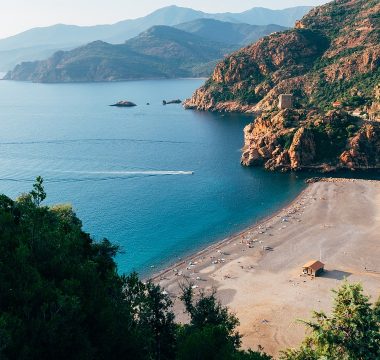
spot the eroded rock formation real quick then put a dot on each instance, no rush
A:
(300, 139)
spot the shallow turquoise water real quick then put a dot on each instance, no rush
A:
(118, 167)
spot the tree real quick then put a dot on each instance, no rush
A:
(152, 311)
(61, 297)
(211, 333)
(352, 332)
(38, 193)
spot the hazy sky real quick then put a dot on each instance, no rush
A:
(19, 15)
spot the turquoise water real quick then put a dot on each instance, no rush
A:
(127, 171)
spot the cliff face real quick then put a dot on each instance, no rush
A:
(300, 139)
(332, 53)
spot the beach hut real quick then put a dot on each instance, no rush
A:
(313, 268)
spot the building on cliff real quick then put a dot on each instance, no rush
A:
(285, 101)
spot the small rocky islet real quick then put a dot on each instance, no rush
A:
(124, 103)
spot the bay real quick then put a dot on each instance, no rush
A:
(159, 181)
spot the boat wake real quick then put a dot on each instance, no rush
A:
(133, 172)
(95, 176)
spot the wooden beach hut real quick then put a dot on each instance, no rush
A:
(313, 268)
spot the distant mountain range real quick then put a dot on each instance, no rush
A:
(160, 52)
(38, 43)
(227, 32)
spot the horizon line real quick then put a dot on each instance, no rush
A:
(150, 13)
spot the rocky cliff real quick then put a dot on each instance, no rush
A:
(302, 139)
(330, 59)
(332, 53)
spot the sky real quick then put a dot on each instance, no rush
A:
(20, 15)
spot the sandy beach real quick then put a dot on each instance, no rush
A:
(257, 273)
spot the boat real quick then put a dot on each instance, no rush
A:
(178, 101)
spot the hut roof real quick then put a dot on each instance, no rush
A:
(314, 265)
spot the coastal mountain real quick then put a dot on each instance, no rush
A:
(160, 52)
(228, 32)
(39, 43)
(330, 59)
(334, 46)
(10, 58)
(263, 16)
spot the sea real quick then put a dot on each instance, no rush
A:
(159, 181)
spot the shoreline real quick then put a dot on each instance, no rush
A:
(102, 81)
(156, 275)
(257, 272)
(219, 243)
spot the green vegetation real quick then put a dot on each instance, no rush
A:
(219, 92)
(248, 96)
(352, 332)
(331, 135)
(323, 62)
(286, 140)
(346, 90)
(62, 298)
(160, 52)
(331, 55)
(313, 38)
(228, 32)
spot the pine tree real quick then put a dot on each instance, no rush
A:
(352, 332)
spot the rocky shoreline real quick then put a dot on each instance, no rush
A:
(329, 65)
(301, 139)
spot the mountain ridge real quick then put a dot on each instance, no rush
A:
(227, 32)
(298, 59)
(159, 52)
(70, 36)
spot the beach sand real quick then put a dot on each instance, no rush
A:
(257, 273)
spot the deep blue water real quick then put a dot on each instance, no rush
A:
(114, 165)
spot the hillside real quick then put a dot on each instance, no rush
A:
(263, 16)
(334, 45)
(32, 44)
(160, 52)
(227, 32)
(332, 54)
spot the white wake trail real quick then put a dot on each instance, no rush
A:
(146, 172)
